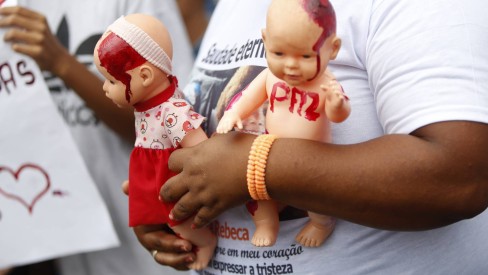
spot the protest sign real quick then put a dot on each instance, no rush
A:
(49, 204)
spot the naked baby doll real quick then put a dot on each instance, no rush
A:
(134, 56)
(303, 96)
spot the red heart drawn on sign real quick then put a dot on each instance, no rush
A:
(18, 196)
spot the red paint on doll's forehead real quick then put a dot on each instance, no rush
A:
(322, 13)
(118, 57)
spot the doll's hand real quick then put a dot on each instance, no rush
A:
(337, 106)
(30, 34)
(171, 250)
(211, 179)
(334, 94)
(228, 121)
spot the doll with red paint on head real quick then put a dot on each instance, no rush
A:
(303, 97)
(134, 55)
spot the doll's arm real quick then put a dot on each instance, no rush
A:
(193, 138)
(252, 97)
(228, 121)
(337, 105)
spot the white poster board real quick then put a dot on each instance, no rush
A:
(49, 205)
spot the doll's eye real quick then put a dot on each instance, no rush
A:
(112, 82)
(306, 56)
(278, 53)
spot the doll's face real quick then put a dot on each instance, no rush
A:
(291, 57)
(116, 89)
(290, 60)
(295, 49)
(113, 88)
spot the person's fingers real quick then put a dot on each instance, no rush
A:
(31, 50)
(185, 207)
(170, 250)
(26, 37)
(21, 11)
(177, 261)
(205, 216)
(177, 158)
(24, 42)
(188, 205)
(23, 18)
(173, 189)
(125, 187)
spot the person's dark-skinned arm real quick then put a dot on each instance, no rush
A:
(29, 33)
(433, 177)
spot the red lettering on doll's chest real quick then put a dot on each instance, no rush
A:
(303, 102)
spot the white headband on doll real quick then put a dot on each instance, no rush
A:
(142, 43)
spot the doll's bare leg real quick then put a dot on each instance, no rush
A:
(316, 231)
(266, 219)
(204, 240)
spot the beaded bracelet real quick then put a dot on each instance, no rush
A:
(256, 166)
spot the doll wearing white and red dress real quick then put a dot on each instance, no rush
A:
(134, 56)
(162, 122)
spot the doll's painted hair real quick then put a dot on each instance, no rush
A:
(126, 47)
(322, 13)
(118, 57)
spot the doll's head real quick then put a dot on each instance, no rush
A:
(134, 55)
(300, 39)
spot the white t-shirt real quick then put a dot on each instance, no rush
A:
(404, 64)
(78, 25)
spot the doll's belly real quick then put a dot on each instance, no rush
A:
(294, 126)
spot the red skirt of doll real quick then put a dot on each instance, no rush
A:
(148, 171)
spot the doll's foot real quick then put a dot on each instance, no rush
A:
(263, 240)
(314, 235)
(198, 264)
(265, 235)
(203, 257)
